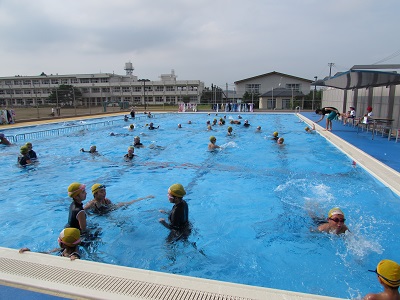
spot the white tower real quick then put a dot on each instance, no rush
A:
(129, 68)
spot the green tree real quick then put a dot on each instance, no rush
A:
(65, 94)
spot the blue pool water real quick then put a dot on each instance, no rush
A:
(249, 202)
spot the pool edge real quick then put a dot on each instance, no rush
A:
(385, 174)
(29, 271)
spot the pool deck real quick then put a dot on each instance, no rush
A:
(40, 276)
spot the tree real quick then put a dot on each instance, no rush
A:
(65, 94)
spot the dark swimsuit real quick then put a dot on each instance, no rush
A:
(74, 209)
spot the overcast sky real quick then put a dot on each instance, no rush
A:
(215, 41)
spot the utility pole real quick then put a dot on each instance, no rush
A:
(330, 68)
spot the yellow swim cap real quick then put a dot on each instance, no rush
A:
(212, 138)
(389, 272)
(307, 128)
(24, 150)
(230, 128)
(69, 237)
(335, 211)
(275, 133)
(131, 148)
(96, 187)
(131, 126)
(28, 144)
(75, 188)
(177, 190)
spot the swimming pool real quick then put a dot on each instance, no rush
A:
(248, 203)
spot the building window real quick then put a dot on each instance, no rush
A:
(17, 82)
(85, 90)
(18, 92)
(285, 103)
(27, 82)
(84, 80)
(271, 104)
(64, 81)
(95, 90)
(35, 81)
(294, 86)
(27, 92)
(104, 80)
(253, 88)
(136, 99)
(74, 80)
(159, 99)
(46, 81)
(126, 89)
(116, 89)
(105, 90)
(159, 88)
(137, 89)
(54, 81)
(170, 88)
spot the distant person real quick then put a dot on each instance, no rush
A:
(335, 222)
(214, 122)
(332, 113)
(179, 125)
(137, 143)
(31, 153)
(237, 122)
(77, 215)
(239, 117)
(212, 145)
(368, 115)
(149, 115)
(53, 112)
(126, 118)
(3, 140)
(209, 127)
(310, 129)
(221, 121)
(388, 273)
(100, 204)
(189, 122)
(151, 126)
(246, 123)
(351, 114)
(93, 149)
(280, 141)
(258, 129)
(68, 240)
(23, 158)
(178, 217)
(275, 136)
(131, 127)
(130, 154)
(132, 113)
(230, 129)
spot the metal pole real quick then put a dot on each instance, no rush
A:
(315, 88)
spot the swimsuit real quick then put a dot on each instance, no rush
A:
(74, 209)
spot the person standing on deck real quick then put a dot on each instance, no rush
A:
(332, 113)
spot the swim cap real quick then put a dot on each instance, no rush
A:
(229, 128)
(389, 272)
(281, 139)
(24, 149)
(369, 108)
(136, 138)
(28, 144)
(96, 187)
(335, 211)
(1, 136)
(275, 134)
(213, 138)
(69, 237)
(131, 148)
(93, 147)
(75, 188)
(177, 190)
(307, 128)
